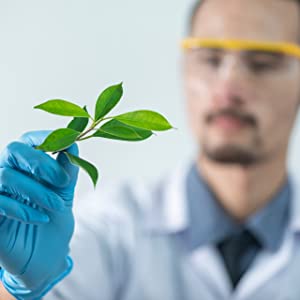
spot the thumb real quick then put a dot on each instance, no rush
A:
(34, 138)
(70, 168)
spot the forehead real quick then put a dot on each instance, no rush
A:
(265, 20)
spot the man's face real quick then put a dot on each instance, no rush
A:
(242, 104)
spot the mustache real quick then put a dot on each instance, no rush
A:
(228, 112)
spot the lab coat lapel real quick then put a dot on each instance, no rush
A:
(203, 261)
(207, 265)
(268, 265)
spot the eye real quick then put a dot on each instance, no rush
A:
(262, 62)
(259, 66)
(213, 60)
(206, 57)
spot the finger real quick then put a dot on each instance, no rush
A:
(24, 187)
(36, 163)
(16, 210)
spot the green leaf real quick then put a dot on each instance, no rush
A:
(145, 119)
(117, 130)
(59, 140)
(62, 108)
(107, 100)
(85, 165)
(79, 124)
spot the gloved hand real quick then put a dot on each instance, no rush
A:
(36, 219)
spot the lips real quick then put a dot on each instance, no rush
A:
(228, 122)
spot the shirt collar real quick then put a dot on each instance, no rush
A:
(210, 223)
(269, 223)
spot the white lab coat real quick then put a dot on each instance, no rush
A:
(127, 246)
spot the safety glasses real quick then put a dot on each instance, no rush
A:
(289, 49)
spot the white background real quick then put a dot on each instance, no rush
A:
(73, 49)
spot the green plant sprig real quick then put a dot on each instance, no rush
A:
(132, 126)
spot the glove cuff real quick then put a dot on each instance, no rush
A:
(19, 290)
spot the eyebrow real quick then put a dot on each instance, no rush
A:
(247, 53)
(273, 54)
(209, 49)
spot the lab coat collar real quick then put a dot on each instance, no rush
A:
(295, 207)
(169, 212)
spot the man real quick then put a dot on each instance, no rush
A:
(223, 226)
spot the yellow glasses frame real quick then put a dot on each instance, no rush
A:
(234, 44)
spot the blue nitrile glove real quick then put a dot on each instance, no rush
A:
(36, 219)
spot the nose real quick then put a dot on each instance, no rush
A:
(230, 83)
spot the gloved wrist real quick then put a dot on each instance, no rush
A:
(15, 285)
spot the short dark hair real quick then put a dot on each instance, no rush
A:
(192, 15)
(194, 10)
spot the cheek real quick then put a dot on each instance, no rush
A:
(198, 94)
(278, 108)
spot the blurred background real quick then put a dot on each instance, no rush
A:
(73, 49)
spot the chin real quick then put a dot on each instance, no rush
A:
(230, 154)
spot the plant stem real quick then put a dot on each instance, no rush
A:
(86, 132)
(81, 136)
(85, 138)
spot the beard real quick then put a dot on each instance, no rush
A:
(231, 154)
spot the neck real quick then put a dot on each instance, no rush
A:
(243, 190)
